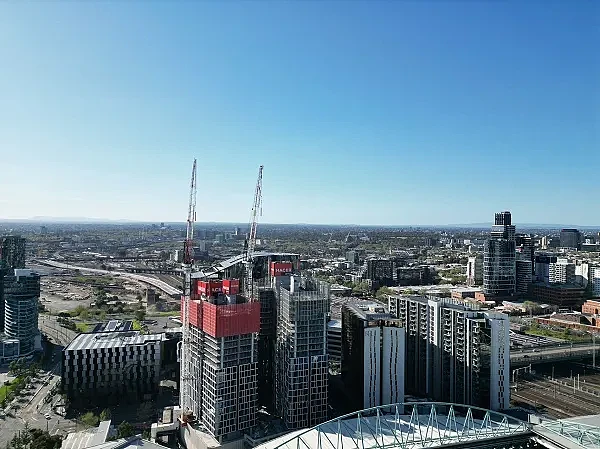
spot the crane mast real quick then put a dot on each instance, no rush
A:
(251, 240)
(188, 260)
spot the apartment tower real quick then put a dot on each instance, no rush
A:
(301, 361)
(454, 353)
(373, 351)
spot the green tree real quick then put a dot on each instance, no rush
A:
(84, 314)
(140, 315)
(145, 411)
(105, 415)
(383, 292)
(125, 430)
(89, 419)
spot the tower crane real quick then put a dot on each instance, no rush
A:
(188, 260)
(250, 243)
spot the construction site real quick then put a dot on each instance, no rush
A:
(251, 326)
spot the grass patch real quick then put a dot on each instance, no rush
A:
(5, 390)
(83, 327)
(94, 279)
(564, 335)
(170, 313)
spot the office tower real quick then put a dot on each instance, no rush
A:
(12, 252)
(224, 327)
(373, 350)
(21, 296)
(503, 227)
(542, 267)
(525, 249)
(454, 353)
(111, 367)
(562, 272)
(570, 238)
(499, 268)
(301, 360)
(524, 276)
(475, 271)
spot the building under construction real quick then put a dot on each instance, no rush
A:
(301, 362)
(454, 353)
(221, 390)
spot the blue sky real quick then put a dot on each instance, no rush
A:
(391, 112)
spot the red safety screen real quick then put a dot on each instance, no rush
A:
(231, 319)
(231, 286)
(281, 268)
(195, 313)
(209, 288)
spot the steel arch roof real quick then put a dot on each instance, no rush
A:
(410, 425)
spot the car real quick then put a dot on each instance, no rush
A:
(47, 416)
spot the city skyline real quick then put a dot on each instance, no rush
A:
(380, 114)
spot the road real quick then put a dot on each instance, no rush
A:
(157, 283)
(36, 402)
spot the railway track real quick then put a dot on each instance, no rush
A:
(559, 399)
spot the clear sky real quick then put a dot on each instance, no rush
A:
(393, 112)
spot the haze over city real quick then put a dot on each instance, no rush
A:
(362, 112)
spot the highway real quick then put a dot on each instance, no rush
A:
(157, 283)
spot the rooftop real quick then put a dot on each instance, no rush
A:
(87, 438)
(112, 340)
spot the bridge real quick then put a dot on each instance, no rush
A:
(156, 283)
(564, 352)
(418, 425)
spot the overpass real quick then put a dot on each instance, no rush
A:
(560, 353)
(156, 283)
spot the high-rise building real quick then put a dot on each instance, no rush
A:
(503, 227)
(595, 280)
(542, 267)
(524, 277)
(380, 270)
(12, 255)
(454, 353)
(223, 387)
(562, 272)
(475, 271)
(21, 297)
(12, 252)
(570, 238)
(301, 361)
(525, 249)
(499, 268)
(373, 353)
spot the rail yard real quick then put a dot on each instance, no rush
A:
(560, 391)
